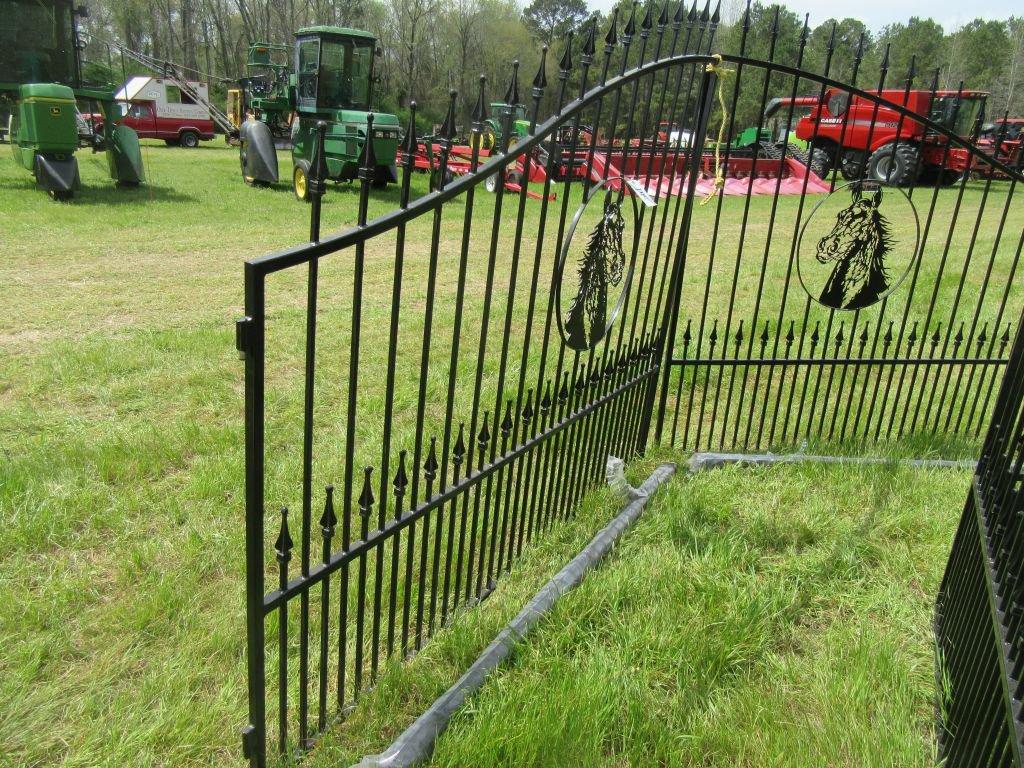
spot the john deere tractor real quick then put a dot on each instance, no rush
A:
(491, 135)
(40, 81)
(332, 82)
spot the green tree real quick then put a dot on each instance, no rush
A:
(920, 39)
(550, 20)
(977, 54)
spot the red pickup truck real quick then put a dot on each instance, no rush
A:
(158, 109)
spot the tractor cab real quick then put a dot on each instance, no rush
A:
(37, 43)
(958, 112)
(334, 69)
(333, 82)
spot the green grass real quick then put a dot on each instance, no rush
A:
(121, 510)
(765, 618)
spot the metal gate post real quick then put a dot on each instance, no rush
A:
(249, 339)
(666, 339)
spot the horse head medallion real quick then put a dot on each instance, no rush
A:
(599, 268)
(859, 250)
(858, 244)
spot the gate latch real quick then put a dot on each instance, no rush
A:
(243, 336)
(249, 742)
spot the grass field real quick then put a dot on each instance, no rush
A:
(121, 575)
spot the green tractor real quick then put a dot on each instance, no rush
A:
(40, 83)
(332, 82)
(491, 136)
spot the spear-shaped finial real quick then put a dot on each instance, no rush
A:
(409, 145)
(648, 22)
(448, 126)
(680, 13)
(480, 108)
(663, 16)
(717, 15)
(400, 483)
(366, 499)
(912, 71)
(328, 520)
(565, 63)
(507, 422)
(512, 92)
(430, 465)
(369, 159)
(706, 13)
(459, 449)
(528, 408)
(630, 29)
(540, 80)
(283, 545)
(884, 66)
(611, 36)
(483, 437)
(590, 44)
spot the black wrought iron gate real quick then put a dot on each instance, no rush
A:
(781, 342)
(432, 390)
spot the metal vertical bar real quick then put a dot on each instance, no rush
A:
(668, 336)
(316, 192)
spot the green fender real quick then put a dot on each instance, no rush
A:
(124, 157)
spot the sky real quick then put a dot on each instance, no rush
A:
(877, 13)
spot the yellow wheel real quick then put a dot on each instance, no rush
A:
(488, 138)
(300, 180)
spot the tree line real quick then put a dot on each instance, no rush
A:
(433, 46)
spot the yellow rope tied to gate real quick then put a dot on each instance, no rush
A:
(719, 182)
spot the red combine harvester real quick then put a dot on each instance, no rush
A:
(865, 139)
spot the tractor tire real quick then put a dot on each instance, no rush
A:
(852, 166)
(189, 139)
(821, 162)
(300, 180)
(897, 168)
(491, 183)
(488, 138)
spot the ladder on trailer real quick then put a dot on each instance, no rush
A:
(171, 71)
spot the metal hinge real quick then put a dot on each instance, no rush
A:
(243, 336)
(249, 742)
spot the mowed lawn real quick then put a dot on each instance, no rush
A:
(121, 511)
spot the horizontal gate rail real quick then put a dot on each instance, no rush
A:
(729, 361)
